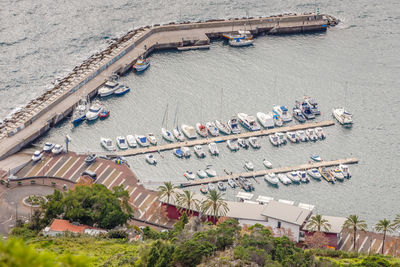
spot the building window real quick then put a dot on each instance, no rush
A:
(279, 224)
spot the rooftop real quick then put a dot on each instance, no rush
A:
(284, 212)
(65, 226)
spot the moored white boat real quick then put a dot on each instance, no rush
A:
(243, 143)
(316, 158)
(107, 144)
(213, 148)
(281, 137)
(57, 149)
(189, 131)
(189, 175)
(178, 134)
(179, 153)
(167, 135)
(314, 173)
(274, 139)
(121, 90)
(186, 151)
(232, 145)
(282, 112)
(94, 111)
(302, 136)
(212, 129)
(80, 111)
(239, 42)
(254, 142)
(265, 120)
(343, 117)
(201, 129)
(223, 127)
(284, 179)
(210, 171)
(298, 115)
(313, 105)
(338, 174)
(271, 178)
(202, 174)
(232, 183)
(130, 139)
(152, 139)
(37, 156)
(267, 164)
(142, 140)
(151, 159)
(48, 147)
(221, 186)
(108, 89)
(211, 187)
(198, 150)
(121, 142)
(320, 133)
(306, 110)
(345, 170)
(292, 136)
(303, 176)
(312, 136)
(293, 176)
(276, 118)
(249, 166)
(233, 123)
(249, 122)
(141, 64)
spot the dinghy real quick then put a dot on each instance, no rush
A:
(210, 171)
(151, 159)
(202, 174)
(142, 140)
(213, 148)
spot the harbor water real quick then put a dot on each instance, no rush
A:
(353, 64)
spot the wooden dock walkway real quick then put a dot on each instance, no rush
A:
(218, 139)
(275, 170)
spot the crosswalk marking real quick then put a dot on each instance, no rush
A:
(138, 195)
(77, 169)
(119, 174)
(111, 173)
(123, 181)
(134, 189)
(363, 243)
(70, 167)
(60, 170)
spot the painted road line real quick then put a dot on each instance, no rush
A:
(76, 170)
(70, 167)
(116, 178)
(51, 168)
(98, 167)
(123, 181)
(372, 245)
(345, 241)
(66, 166)
(143, 201)
(79, 172)
(99, 177)
(379, 249)
(92, 167)
(35, 171)
(133, 190)
(126, 187)
(138, 195)
(362, 244)
(63, 167)
(111, 174)
(151, 203)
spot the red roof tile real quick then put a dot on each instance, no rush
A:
(64, 225)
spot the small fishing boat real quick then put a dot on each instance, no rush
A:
(210, 171)
(243, 143)
(232, 183)
(302, 136)
(221, 186)
(37, 156)
(306, 110)
(249, 166)
(198, 150)
(186, 151)
(283, 112)
(284, 179)
(345, 170)
(121, 90)
(233, 145)
(48, 147)
(265, 120)
(130, 139)
(281, 137)
(313, 105)
(254, 142)
(292, 136)
(179, 153)
(57, 149)
(314, 173)
(312, 136)
(108, 89)
(316, 158)
(202, 174)
(298, 115)
(211, 187)
(104, 113)
(152, 139)
(223, 127)
(189, 131)
(90, 158)
(337, 174)
(94, 111)
(293, 176)
(212, 129)
(274, 139)
(271, 178)
(151, 159)
(249, 122)
(326, 175)
(303, 176)
(240, 42)
(343, 117)
(277, 120)
(107, 144)
(213, 148)
(203, 190)
(189, 175)
(201, 129)
(267, 164)
(167, 135)
(245, 184)
(142, 140)
(320, 133)
(141, 64)
(233, 123)
(121, 142)
(80, 111)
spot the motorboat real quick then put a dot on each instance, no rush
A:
(223, 127)
(265, 120)
(186, 151)
(189, 131)
(211, 187)
(189, 175)
(292, 136)
(271, 178)
(316, 158)
(326, 175)
(212, 129)
(94, 111)
(57, 149)
(283, 112)
(254, 142)
(203, 190)
(313, 104)
(90, 158)
(293, 176)
(302, 136)
(221, 186)
(284, 179)
(281, 137)
(198, 150)
(213, 148)
(201, 129)
(108, 89)
(233, 145)
(142, 140)
(345, 170)
(320, 133)
(152, 139)
(298, 115)
(276, 118)
(167, 135)
(243, 143)
(306, 110)
(240, 42)
(232, 183)
(267, 164)
(245, 184)
(79, 113)
(151, 159)
(107, 144)
(202, 174)
(274, 139)
(37, 156)
(179, 153)
(314, 173)
(239, 34)
(337, 174)
(233, 123)
(48, 147)
(121, 90)
(121, 142)
(104, 113)
(249, 122)
(210, 171)
(130, 139)
(343, 117)
(141, 64)
(312, 136)
(249, 166)
(303, 176)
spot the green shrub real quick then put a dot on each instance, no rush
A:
(118, 234)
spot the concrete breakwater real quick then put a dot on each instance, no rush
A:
(55, 104)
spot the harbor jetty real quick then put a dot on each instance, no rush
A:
(275, 170)
(57, 103)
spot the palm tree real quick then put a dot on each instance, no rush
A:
(355, 224)
(396, 221)
(316, 223)
(215, 204)
(186, 201)
(167, 190)
(384, 226)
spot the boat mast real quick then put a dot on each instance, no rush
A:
(166, 117)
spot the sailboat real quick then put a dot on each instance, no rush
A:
(167, 135)
(223, 127)
(177, 133)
